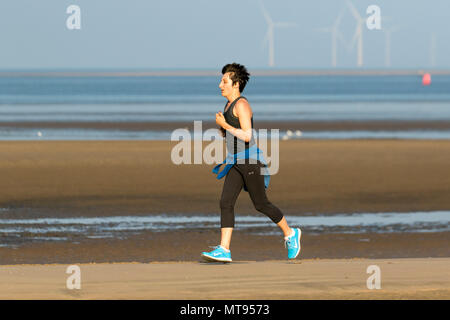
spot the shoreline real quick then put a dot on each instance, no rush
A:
(359, 125)
(212, 72)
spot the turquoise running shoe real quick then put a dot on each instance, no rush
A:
(293, 244)
(218, 254)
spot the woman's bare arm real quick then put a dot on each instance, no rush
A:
(244, 113)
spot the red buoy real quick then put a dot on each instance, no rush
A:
(426, 79)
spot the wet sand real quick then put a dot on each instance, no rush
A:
(102, 178)
(187, 245)
(387, 125)
(306, 279)
(107, 178)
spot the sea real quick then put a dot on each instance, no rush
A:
(31, 107)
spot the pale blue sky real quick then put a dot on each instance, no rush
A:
(206, 34)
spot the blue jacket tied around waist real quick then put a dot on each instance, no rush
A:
(251, 153)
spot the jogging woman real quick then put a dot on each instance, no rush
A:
(236, 124)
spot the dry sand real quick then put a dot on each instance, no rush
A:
(301, 279)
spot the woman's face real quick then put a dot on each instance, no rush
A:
(226, 85)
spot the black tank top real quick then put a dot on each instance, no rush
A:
(232, 120)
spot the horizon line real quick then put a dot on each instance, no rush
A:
(211, 72)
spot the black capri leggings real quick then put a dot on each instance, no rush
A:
(248, 174)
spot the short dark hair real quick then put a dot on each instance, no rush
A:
(238, 74)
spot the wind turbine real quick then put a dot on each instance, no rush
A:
(387, 52)
(335, 35)
(358, 36)
(270, 32)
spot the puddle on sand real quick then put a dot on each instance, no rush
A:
(66, 229)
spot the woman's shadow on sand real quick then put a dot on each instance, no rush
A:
(219, 263)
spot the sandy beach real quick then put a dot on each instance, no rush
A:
(121, 178)
(85, 178)
(305, 279)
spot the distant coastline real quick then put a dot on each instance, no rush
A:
(191, 73)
